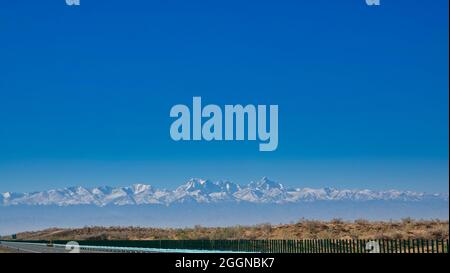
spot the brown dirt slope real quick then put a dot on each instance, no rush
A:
(304, 229)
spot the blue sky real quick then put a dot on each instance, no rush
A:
(85, 92)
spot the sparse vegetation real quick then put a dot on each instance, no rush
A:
(304, 229)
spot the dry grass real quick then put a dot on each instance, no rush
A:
(304, 229)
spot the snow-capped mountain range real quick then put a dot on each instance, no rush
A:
(205, 191)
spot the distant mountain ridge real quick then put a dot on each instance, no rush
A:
(198, 190)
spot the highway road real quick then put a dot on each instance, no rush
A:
(39, 248)
(60, 248)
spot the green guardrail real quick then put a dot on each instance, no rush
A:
(277, 246)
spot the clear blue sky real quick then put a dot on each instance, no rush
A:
(85, 92)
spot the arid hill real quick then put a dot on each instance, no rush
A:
(304, 229)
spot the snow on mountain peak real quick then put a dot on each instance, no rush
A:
(140, 188)
(196, 184)
(267, 184)
(205, 191)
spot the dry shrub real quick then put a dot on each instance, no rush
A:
(362, 222)
(305, 229)
(438, 233)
